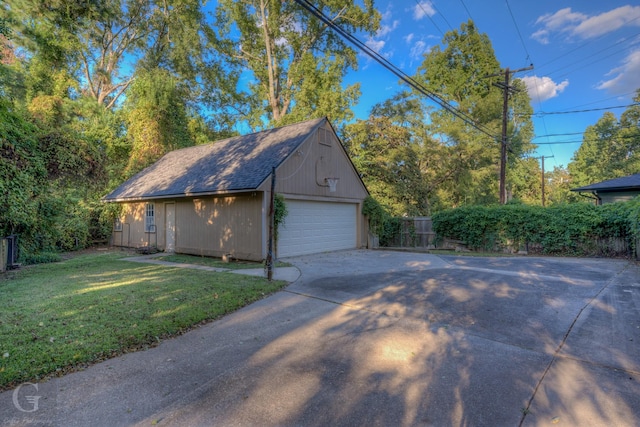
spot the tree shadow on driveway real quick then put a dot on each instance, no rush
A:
(473, 346)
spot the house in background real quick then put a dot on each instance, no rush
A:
(613, 190)
(214, 199)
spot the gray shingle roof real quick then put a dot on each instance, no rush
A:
(631, 182)
(233, 164)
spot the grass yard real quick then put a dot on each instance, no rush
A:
(56, 318)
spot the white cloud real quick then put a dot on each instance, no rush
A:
(583, 26)
(627, 76)
(561, 19)
(543, 88)
(386, 29)
(422, 9)
(608, 22)
(418, 49)
(408, 38)
(376, 45)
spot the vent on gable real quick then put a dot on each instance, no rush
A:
(324, 137)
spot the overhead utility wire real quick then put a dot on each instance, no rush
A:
(467, 9)
(545, 113)
(421, 6)
(518, 30)
(579, 133)
(576, 141)
(577, 67)
(565, 54)
(395, 70)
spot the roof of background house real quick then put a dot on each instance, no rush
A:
(631, 182)
(233, 164)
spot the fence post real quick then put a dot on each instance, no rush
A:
(3, 255)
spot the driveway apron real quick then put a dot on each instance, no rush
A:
(381, 338)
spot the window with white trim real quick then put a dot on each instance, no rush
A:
(149, 218)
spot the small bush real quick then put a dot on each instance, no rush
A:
(41, 258)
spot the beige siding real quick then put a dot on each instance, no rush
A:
(303, 176)
(211, 226)
(133, 233)
(304, 173)
(215, 226)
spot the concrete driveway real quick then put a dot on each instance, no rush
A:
(378, 338)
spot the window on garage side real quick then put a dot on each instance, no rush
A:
(150, 218)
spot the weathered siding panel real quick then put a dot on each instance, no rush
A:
(132, 233)
(215, 226)
(320, 157)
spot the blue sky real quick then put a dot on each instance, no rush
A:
(586, 56)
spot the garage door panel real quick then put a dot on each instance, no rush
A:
(313, 227)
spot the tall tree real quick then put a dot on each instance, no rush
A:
(387, 150)
(157, 118)
(610, 148)
(297, 64)
(457, 71)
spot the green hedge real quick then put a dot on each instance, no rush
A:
(570, 229)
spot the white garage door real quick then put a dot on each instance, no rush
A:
(312, 227)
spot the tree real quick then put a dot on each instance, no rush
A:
(610, 148)
(296, 62)
(157, 120)
(458, 72)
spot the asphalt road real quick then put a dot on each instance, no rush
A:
(378, 338)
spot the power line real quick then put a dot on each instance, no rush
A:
(394, 69)
(419, 4)
(577, 141)
(578, 67)
(558, 134)
(580, 47)
(518, 30)
(579, 133)
(548, 113)
(467, 9)
(441, 14)
(604, 99)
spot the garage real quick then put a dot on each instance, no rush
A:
(313, 227)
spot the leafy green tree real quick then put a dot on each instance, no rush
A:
(388, 161)
(558, 187)
(22, 172)
(157, 120)
(605, 153)
(457, 71)
(610, 148)
(296, 63)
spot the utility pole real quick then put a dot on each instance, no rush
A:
(542, 158)
(270, 258)
(506, 88)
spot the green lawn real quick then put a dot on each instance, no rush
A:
(55, 318)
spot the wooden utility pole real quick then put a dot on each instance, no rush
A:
(506, 88)
(542, 158)
(272, 211)
(503, 145)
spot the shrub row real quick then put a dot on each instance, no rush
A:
(570, 229)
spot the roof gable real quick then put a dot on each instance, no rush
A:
(233, 164)
(624, 183)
